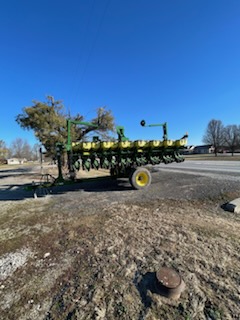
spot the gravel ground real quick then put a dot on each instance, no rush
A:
(91, 250)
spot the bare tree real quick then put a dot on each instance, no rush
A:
(238, 137)
(214, 135)
(21, 149)
(35, 151)
(232, 137)
(3, 149)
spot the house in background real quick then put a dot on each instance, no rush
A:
(16, 161)
(205, 149)
(188, 149)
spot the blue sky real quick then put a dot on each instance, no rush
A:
(158, 60)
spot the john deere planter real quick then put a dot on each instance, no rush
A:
(125, 158)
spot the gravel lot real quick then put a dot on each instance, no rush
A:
(90, 250)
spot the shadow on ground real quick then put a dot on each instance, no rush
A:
(99, 184)
(145, 284)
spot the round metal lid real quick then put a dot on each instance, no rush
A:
(168, 278)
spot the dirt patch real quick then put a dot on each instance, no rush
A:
(10, 262)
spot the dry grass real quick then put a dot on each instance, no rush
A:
(101, 266)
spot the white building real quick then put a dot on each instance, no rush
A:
(15, 161)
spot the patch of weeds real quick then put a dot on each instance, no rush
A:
(183, 311)
(13, 244)
(120, 310)
(58, 306)
(168, 312)
(32, 219)
(211, 312)
(228, 196)
(49, 242)
(207, 231)
(4, 218)
(234, 239)
(26, 213)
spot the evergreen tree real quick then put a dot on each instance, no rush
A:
(48, 121)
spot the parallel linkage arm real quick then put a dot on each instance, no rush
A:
(69, 137)
(164, 125)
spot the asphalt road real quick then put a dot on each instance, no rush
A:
(187, 180)
(214, 169)
(18, 170)
(231, 168)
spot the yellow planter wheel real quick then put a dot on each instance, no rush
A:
(140, 178)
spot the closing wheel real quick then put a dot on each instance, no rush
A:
(140, 178)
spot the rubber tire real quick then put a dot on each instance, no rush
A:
(140, 178)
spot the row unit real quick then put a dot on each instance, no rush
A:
(106, 145)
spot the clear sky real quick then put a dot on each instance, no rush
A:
(158, 60)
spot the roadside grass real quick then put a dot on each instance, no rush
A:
(18, 166)
(212, 157)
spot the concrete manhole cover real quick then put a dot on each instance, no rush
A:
(169, 283)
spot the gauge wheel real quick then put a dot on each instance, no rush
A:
(140, 178)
